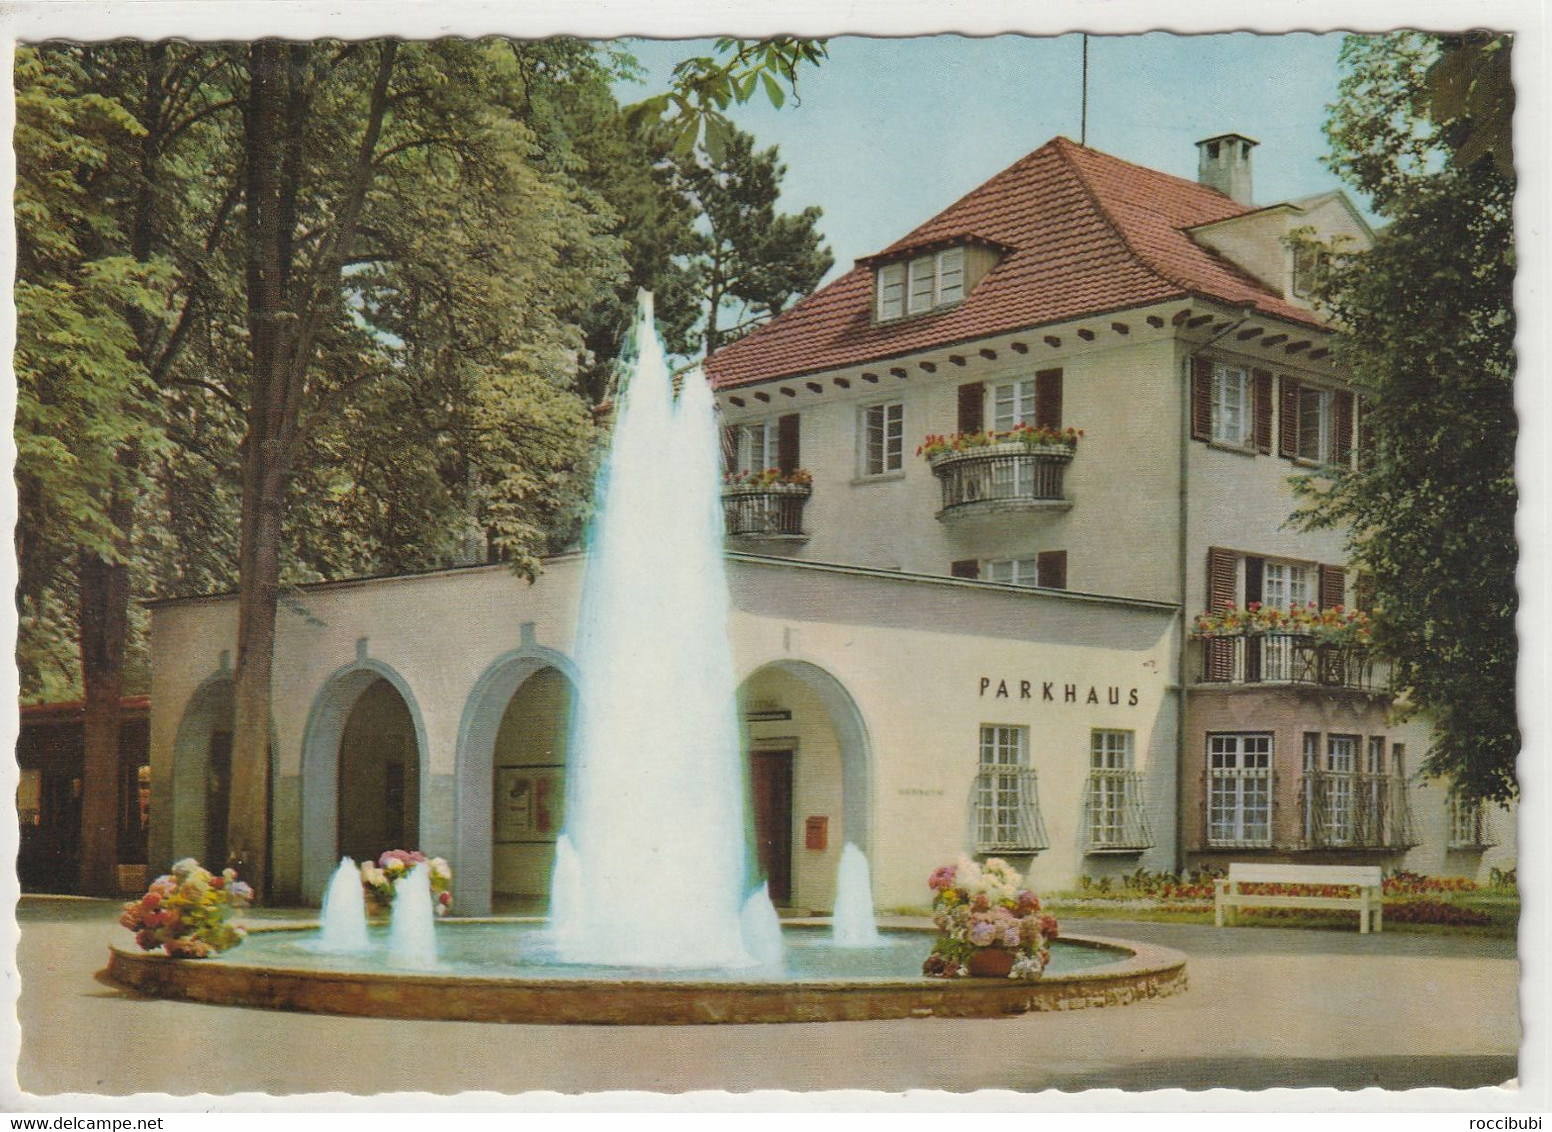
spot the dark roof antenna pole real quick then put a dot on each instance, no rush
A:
(1083, 124)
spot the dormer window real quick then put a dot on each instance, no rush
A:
(1310, 264)
(921, 284)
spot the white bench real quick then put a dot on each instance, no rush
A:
(1368, 900)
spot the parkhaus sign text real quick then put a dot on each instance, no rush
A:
(1050, 692)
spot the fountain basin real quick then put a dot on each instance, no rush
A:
(1085, 972)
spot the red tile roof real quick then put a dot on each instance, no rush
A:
(1089, 233)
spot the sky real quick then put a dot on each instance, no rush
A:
(888, 132)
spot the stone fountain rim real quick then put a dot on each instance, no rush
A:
(1149, 971)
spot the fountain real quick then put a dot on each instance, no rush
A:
(652, 919)
(412, 931)
(854, 924)
(342, 923)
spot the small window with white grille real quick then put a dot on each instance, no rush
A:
(1239, 790)
(1115, 820)
(1005, 800)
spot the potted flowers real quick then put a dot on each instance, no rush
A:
(1334, 626)
(378, 879)
(188, 912)
(988, 923)
(1021, 439)
(771, 480)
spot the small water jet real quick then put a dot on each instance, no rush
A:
(342, 923)
(762, 928)
(412, 930)
(854, 923)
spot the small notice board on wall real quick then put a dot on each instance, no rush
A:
(529, 803)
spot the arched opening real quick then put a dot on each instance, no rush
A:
(202, 775)
(363, 724)
(511, 777)
(379, 776)
(808, 760)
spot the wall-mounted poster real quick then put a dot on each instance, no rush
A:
(530, 801)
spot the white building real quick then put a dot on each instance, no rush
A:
(984, 646)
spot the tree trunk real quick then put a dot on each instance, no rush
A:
(104, 621)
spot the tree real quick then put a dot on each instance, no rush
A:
(750, 262)
(1428, 329)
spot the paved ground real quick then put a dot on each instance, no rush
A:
(1267, 1007)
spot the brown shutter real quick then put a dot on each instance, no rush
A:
(1342, 425)
(1333, 586)
(1219, 652)
(1051, 569)
(1263, 411)
(972, 397)
(1288, 411)
(1048, 398)
(730, 450)
(1201, 399)
(965, 568)
(1363, 592)
(787, 444)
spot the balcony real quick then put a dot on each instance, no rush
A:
(1352, 810)
(1299, 659)
(771, 512)
(995, 478)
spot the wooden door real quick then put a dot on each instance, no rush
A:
(770, 785)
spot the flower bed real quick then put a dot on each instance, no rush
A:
(988, 923)
(188, 912)
(379, 879)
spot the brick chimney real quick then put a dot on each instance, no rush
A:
(1223, 163)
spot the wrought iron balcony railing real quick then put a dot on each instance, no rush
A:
(1114, 820)
(1005, 811)
(1289, 658)
(1351, 810)
(772, 512)
(1002, 477)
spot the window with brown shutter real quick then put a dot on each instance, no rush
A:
(972, 402)
(965, 568)
(1342, 429)
(1363, 592)
(787, 459)
(1333, 586)
(1288, 417)
(1201, 399)
(1051, 569)
(1048, 398)
(1263, 411)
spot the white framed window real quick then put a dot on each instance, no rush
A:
(756, 446)
(1317, 426)
(1341, 796)
(924, 283)
(1115, 817)
(1231, 410)
(883, 438)
(1310, 266)
(1239, 789)
(1013, 403)
(1005, 800)
(891, 291)
(1285, 584)
(1467, 823)
(1012, 571)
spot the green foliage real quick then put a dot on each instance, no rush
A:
(750, 261)
(1428, 336)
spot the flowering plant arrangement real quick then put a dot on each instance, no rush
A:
(378, 879)
(1031, 436)
(770, 477)
(986, 908)
(1336, 625)
(188, 912)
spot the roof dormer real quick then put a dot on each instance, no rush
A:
(912, 281)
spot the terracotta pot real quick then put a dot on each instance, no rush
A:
(991, 963)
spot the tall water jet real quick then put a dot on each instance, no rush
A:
(854, 924)
(654, 822)
(412, 931)
(342, 923)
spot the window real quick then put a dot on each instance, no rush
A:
(1341, 763)
(1013, 571)
(883, 429)
(757, 448)
(1284, 584)
(1005, 800)
(1468, 823)
(1115, 818)
(1239, 789)
(1315, 425)
(1013, 403)
(1230, 405)
(936, 279)
(1310, 265)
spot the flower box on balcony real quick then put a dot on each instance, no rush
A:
(1050, 451)
(742, 489)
